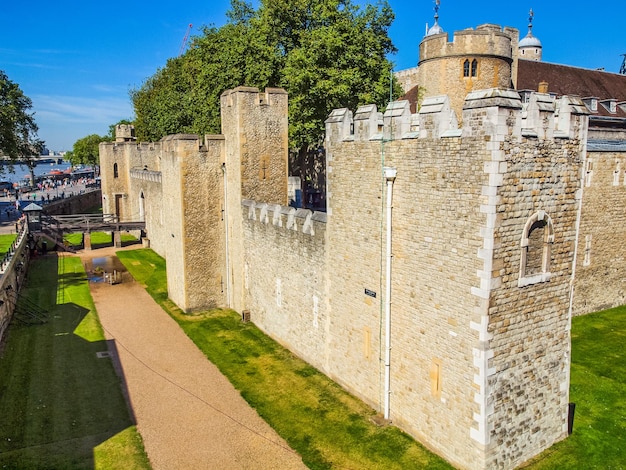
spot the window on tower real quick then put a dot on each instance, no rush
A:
(537, 238)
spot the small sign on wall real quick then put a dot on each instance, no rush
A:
(371, 293)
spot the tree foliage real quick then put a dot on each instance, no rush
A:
(18, 130)
(325, 53)
(86, 150)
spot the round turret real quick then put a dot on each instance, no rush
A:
(475, 59)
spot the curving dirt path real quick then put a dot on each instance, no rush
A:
(189, 415)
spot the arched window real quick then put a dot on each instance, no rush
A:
(466, 68)
(115, 172)
(474, 67)
(535, 249)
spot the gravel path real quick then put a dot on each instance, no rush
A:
(189, 415)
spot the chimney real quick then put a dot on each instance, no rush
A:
(543, 87)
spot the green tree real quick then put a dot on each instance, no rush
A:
(338, 61)
(86, 150)
(18, 130)
(325, 53)
(160, 103)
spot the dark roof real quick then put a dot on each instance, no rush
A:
(566, 80)
(411, 96)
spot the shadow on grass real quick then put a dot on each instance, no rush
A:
(60, 393)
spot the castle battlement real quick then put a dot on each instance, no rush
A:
(120, 145)
(485, 39)
(178, 142)
(269, 97)
(146, 175)
(125, 133)
(287, 217)
(495, 112)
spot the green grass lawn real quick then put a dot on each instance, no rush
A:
(61, 406)
(98, 239)
(330, 428)
(6, 240)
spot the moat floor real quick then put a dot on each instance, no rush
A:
(187, 412)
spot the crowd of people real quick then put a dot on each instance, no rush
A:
(45, 192)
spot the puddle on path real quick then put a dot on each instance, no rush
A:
(105, 269)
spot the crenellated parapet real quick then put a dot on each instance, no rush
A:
(289, 218)
(252, 95)
(146, 175)
(436, 118)
(397, 120)
(487, 38)
(493, 112)
(125, 133)
(181, 144)
(368, 122)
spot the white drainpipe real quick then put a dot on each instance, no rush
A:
(390, 176)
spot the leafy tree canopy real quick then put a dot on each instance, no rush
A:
(18, 130)
(326, 53)
(86, 150)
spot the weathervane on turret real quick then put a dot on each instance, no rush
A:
(436, 29)
(530, 22)
(622, 69)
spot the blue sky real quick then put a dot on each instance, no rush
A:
(77, 60)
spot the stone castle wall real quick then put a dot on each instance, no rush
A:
(121, 158)
(484, 226)
(175, 185)
(601, 261)
(460, 317)
(286, 277)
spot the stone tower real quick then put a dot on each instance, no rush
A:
(474, 60)
(254, 125)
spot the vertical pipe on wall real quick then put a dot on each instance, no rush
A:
(227, 283)
(390, 176)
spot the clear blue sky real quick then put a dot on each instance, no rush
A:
(77, 60)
